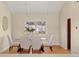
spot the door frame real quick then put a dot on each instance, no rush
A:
(69, 34)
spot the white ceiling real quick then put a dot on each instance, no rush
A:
(34, 6)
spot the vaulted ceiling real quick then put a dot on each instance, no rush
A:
(34, 6)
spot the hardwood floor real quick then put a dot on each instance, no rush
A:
(56, 49)
(60, 50)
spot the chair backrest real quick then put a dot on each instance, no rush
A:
(51, 40)
(25, 42)
(9, 39)
(5, 38)
(1, 41)
(36, 42)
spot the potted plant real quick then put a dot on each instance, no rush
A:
(29, 29)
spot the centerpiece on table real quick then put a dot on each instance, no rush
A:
(29, 29)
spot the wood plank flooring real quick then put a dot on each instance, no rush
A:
(56, 49)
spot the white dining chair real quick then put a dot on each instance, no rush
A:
(50, 42)
(1, 42)
(12, 43)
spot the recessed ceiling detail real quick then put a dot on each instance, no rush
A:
(34, 6)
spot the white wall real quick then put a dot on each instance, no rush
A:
(52, 21)
(64, 14)
(4, 44)
(70, 10)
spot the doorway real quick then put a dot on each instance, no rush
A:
(69, 33)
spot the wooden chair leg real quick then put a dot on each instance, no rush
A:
(42, 48)
(50, 48)
(11, 47)
(19, 48)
